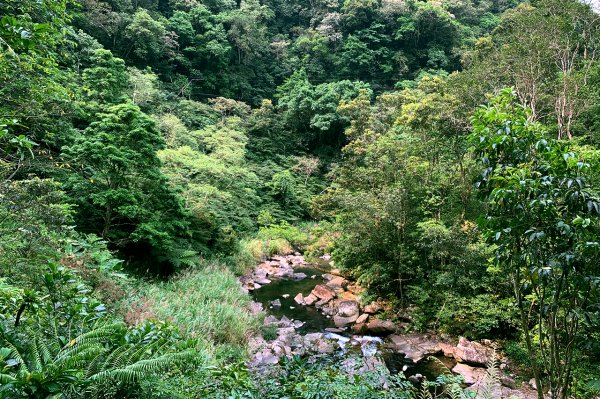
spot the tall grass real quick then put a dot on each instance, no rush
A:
(206, 304)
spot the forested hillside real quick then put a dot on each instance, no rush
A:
(153, 151)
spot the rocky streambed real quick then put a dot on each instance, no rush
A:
(314, 311)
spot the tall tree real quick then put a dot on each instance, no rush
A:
(542, 216)
(118, 186)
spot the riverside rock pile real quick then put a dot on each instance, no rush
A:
(277, 267)
(338, 299)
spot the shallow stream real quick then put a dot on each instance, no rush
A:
(285, 290)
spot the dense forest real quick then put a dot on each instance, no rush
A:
(444, 152)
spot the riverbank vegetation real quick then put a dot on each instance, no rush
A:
(444, 153)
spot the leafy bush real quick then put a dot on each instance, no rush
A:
(481, 316)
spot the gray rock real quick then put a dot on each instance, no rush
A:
(381, 327)
(348, 309)
(299, 276)
(276, 304)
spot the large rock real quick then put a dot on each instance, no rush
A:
(323, 292)
(299, 299)
(341, 321)
(381, 327)
(310, 299)
(472, 352)
(337, 283)
(348, 309)
(414, 347)
(316, 342)
(373, 307)
(472, 375)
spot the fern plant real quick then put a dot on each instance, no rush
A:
(83, 367)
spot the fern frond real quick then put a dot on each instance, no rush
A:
(491, 379)
(425, 393)
(6, 379)
(15, 354)
(45, 351)
(98, 334)
(34, 355)
(121, 376)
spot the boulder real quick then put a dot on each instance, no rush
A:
(381, 327)
(414, 346)
(472, 375)
(285, 296)
(341, 321)
(316, 342)
(447, 349)
(362, 318)
(262, 281)
(299, 299)
(360, 328)
(508, 381)
(472, 352)
(310, 299)
(337, 283)
(299, 276)
(323, 292)
(348, 309)
(321, 302)
(373, 308)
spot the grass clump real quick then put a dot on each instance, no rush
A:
(206, 303)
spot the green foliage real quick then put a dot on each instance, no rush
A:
(542, 217)
(119, 189)
(222, 318)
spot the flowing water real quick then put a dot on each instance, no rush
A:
(314, 321)
(285, 290)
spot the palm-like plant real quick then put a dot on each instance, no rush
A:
(43, 368)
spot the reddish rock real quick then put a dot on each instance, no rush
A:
(347, 296)
(373, 307)
(447, 349)
(472, 375)
(472, 352)
(299, 299)
(341, 321)
(310, 299)
(323, 292)
(337, 283)
(362, 318)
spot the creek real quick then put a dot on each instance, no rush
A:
(283, 291)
